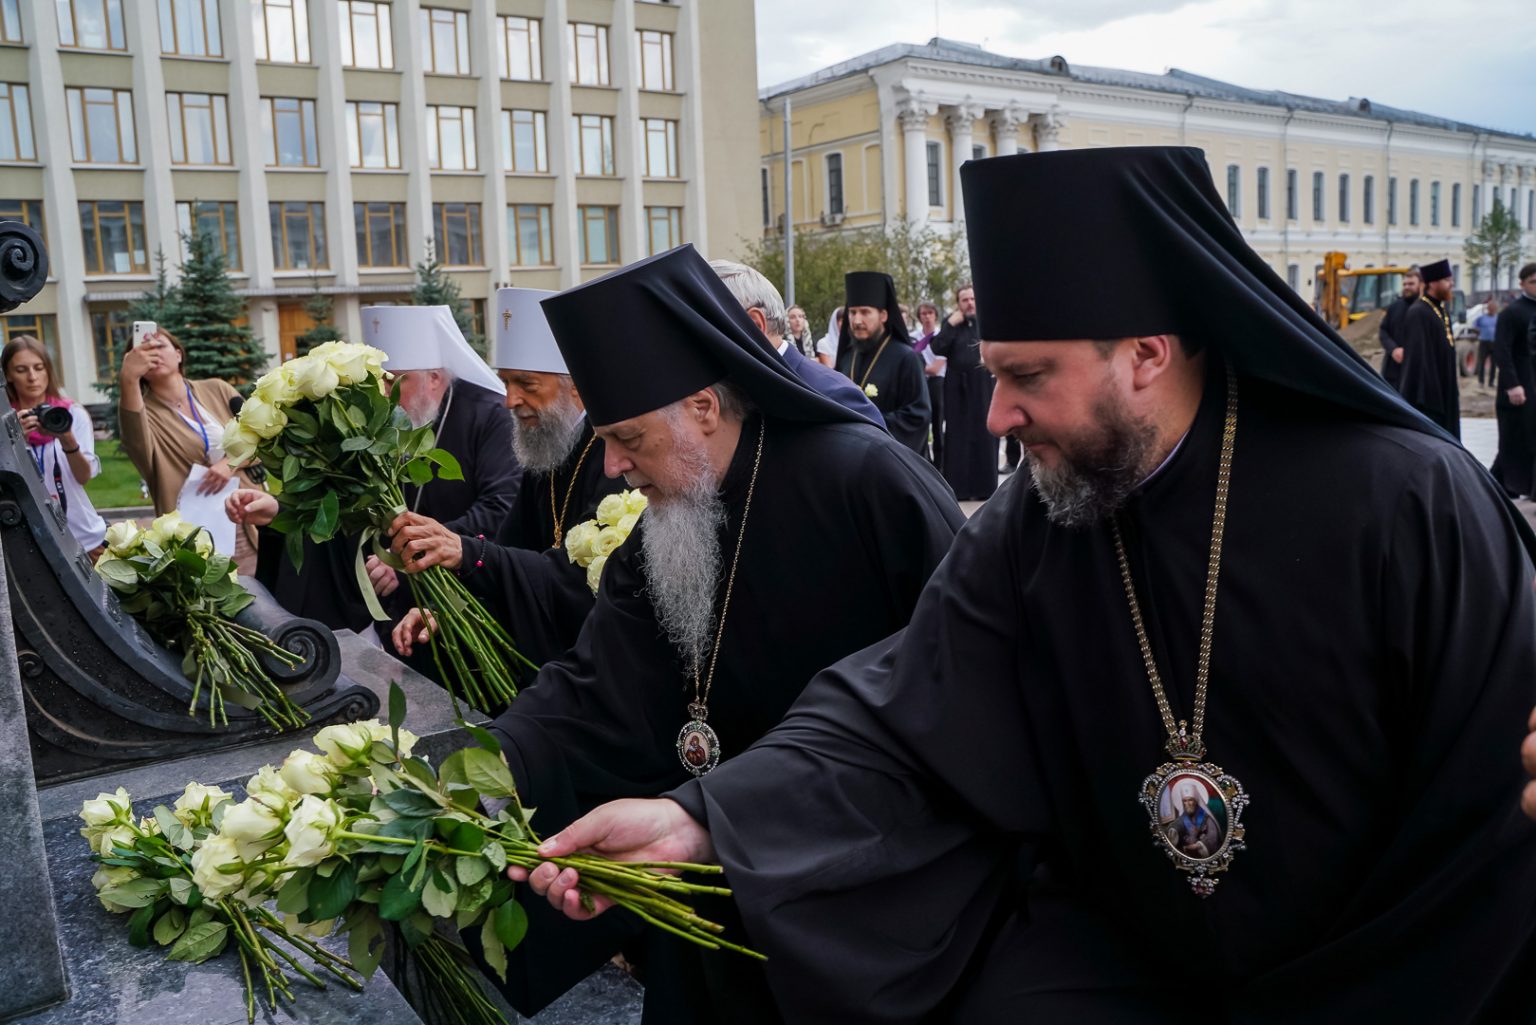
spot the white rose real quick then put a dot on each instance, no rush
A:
(269, 785)
(107, 809)
(197, 802)
(348, 744)
(215, 852)
(117, 836)
(578, 542)
(635, 502)
(627, 523)
(262, 418)
(611, 508)
(277, 388)
(121, 536)
(313, 377)
(253, 827)
(350, 363)
(163, 528)
(407, 741)
(239, 443)
(308, 773)
(607, 540)
(595, 571)
(871, 391)
(202, 543)
(108, 876)
(309, 831)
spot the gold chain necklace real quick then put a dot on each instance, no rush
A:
(565, 506)
(1194, 806)
(698, 746)
(1444, 320)
(853, 363)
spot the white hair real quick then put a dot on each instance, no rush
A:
(755, 292)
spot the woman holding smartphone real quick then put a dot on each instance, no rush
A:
(65, 461)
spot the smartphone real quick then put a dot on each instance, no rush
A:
(144, 330)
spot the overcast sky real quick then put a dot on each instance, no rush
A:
(1427, 55)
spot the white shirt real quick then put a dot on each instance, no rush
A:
(214, 427)
(85, 523)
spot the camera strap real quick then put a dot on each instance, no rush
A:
(39, 453)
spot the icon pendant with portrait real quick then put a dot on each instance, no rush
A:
(698, 748)
(1196, 816)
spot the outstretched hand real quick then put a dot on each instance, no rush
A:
(1527, 755)
(421, 542)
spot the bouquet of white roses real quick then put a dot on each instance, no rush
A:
(363, 837)
(185, 594)
(589, 543)
(337, 449)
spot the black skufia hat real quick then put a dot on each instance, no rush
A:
(872, 288)
(644, 336)
(1437, 271)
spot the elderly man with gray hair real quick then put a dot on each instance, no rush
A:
(765, 307)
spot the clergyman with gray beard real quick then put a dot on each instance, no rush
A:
(765, 498)
(521, 571)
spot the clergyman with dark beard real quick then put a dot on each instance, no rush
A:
(693, 645)
(523, 573)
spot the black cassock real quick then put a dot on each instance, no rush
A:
(970, 450)
(1515, 464)
(530, 586)
(901, 389)
(602, 722)
(1391, 329)
(1429, 379)
(946, 828)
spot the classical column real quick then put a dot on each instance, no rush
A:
(1005, 125)
(913, 117)
(961, 121)
(1048, 128)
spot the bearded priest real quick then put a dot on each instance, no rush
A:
(696, 646)
(1211, 715)
(523, 574)
(875, 352)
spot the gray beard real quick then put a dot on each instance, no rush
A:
(547, 446)
(1097, 473)
(421, 412)
(683, 558)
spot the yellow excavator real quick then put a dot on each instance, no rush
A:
(1346, 295)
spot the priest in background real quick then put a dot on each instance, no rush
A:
(970, 460)
(1430, 379)
(875, 352)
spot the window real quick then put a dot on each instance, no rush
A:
(1434, 204)
(660, 147)
(101, 126)
(190, 28)
(528, 225)
(1477, 205)
(199, 128)
(380, 234)
(767, 201)
(834, 184)
(1368, 199)
(588, 63)
(1413, 202)
(1293, 276)
(451, 139)
(457, 229)
(599, 234)
(282, 30)
(111, 329)
(44, 327)
(1456, 204)
(524, 146)
(1392, 201)
(592, 143)
(655, 59)
(1317, 195)
(978, 152)
(28, 212)
(519, 51)
(1234, 190)
(1530, 209)
(215, 219)
(289, 128)
(16, 123)
(92, 24)
(1263, 191)
(367, 41)
(298, 235)
(935, 174)
(113, 234)
(1343, 199)
(373, 134)
(1291, 211)
(664, 226)
(10, 21)
(444, 41)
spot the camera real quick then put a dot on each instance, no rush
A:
(55, 420)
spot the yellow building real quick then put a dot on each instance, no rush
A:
(881, 137)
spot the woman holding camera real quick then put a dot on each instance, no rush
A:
(65, 453)
(169, 425)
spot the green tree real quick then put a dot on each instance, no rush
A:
(161, 304)
(436, 288)
(216, 345)
(1495, 243)
(320, 307)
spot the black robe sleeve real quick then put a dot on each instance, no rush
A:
(1429, 376)
(908, 413)
(1505, 341)
(540, 597)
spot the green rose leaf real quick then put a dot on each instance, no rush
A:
(293, 898)
(328, 898)
(485, 738)
(495, 953)
(183, 892)
(511, 923)
(138, 926)
(488, 773)
(398, 901)
(118, 572)
(470, 870)
(356, 443)
(176, 834)
(169, 926)
(200, 942)
(324, 526)
(416, 929)
(474, 896)
(136, 893)
(467, 836)
(496, 855)
(411, 804)
(441, 894)
(365, 941)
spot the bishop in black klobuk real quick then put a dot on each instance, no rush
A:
(807, 506)
(882, 363)
(1429, 378)
(957, 824)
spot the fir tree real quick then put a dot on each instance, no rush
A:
(161, 304)
(319, 307)
(435, 288)
(209, 308)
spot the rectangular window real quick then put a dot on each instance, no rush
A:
(451, 139)
(298, 235)
(599, 234)
(282, 30)
(380, 234)
(10, 21)
(1343, 199)
(28, 212)
(1368, 199)
(367, 41)
(1413, 202)
(664, 226)
(16, 123)
(519, 52)
(588, 57)
(42, 326)
(1456, 204)
(91, 24)
(1434, 204)
(655, 59)
(524, 146)
(113, 235)
(199, 128)
(217, 220)
(1477, 205)
(373, 134)
(190, 28)
(1293, 276)
(101, 126)
(1530, 209)
(1392, 201)
(660, 137)
(592, 143)
(767, 201)
(288, 128)
(834, 183)
(1234, 190)
(1263, 182)
(457, 229)
(1291, 210)
(111, 328)
(1317, 196)
(978, 152)
(528, 226)
(444, 41)
(935, 174)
